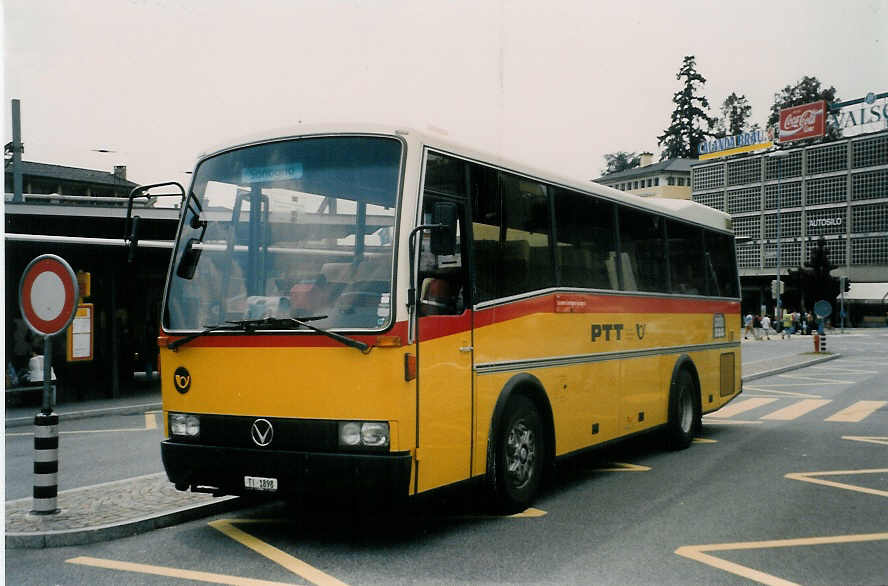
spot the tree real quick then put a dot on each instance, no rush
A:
(620, 161)
(735, 112)
(805, 91)
(690, 117)
(813, 280)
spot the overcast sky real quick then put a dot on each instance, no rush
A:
(555, 84)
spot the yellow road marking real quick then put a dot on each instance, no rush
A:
(817, 379)
(169, 572)
(623, 467)
(868, 439)
(784, 393)
(529, 513)
(795, 410)
(741, 407)
(841, 369)
(711, 420)
(298, 567)
(696, 553)
(703, 440)
(809, 477)
(150, 423)
(858, 411)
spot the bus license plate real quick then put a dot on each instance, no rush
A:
(259, 483)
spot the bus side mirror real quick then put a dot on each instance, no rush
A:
(443, 237)
(188, 262)
(133, 243)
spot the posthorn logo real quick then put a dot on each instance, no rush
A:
(182, 379)
(262, 432)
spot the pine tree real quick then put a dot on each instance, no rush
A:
(735, 111)
(690, 117)
(813, 281)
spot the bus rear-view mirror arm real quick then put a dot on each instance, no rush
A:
(131, 224)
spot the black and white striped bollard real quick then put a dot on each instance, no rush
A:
(823, 341)
(46, 463)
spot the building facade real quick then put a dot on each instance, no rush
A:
(837, 190)
(670, 178)
(79, 215)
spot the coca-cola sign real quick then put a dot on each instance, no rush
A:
(805, 121)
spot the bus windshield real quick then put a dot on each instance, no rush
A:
(292, 228)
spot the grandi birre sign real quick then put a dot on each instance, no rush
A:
(730, 145)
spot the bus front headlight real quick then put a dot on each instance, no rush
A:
(375, 434)
(184, 424)
(367, 434)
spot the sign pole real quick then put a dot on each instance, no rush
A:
(48, 294)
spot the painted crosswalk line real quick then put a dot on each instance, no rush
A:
(858, 411)
(168, 572)
(796, 410)
(741, 407)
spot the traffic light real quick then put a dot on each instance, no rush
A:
(774, 285)
(847, 284)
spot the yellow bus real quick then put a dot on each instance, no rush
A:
(379, 311)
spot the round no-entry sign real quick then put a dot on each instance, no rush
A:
(48, 294)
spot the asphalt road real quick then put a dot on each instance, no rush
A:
(91, 451)
(787, 483)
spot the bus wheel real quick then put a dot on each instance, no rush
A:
(683, 414)
(518, 465)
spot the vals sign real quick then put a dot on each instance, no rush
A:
(805, 121)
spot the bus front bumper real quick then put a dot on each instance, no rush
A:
(222, 470)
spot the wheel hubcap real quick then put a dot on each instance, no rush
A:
(686, 407)
(520, 454)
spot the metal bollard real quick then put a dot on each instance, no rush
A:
(46, 463)
(823, 342)
(816, 337)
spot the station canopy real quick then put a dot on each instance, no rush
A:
(868, 292)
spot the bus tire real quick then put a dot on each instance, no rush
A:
(517, 469)
(684, 415)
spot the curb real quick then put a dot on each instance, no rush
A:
(789, 367)
(119, 530)
(72, 415)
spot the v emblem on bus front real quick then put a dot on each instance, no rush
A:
(639, 330)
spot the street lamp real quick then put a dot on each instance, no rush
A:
(778, 155)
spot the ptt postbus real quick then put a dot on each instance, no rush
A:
(380, 311)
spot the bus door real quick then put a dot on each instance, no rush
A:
(444, 359)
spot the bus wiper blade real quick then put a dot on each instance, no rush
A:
(218, 327)
(252, 325)
(273, 323)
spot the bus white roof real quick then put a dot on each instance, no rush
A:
(680, 208)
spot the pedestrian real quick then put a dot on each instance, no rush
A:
(786, 332)
(747, 326)
(757, 327)
(766, 326)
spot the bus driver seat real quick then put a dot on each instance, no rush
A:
(437, 297)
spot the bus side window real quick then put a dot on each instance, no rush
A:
(442, 278)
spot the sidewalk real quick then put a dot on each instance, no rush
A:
(135, 505)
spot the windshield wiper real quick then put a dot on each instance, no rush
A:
(207, 329)
(278, 323)
(273, 323)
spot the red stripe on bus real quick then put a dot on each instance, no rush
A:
(438, 326)
(591, 303)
